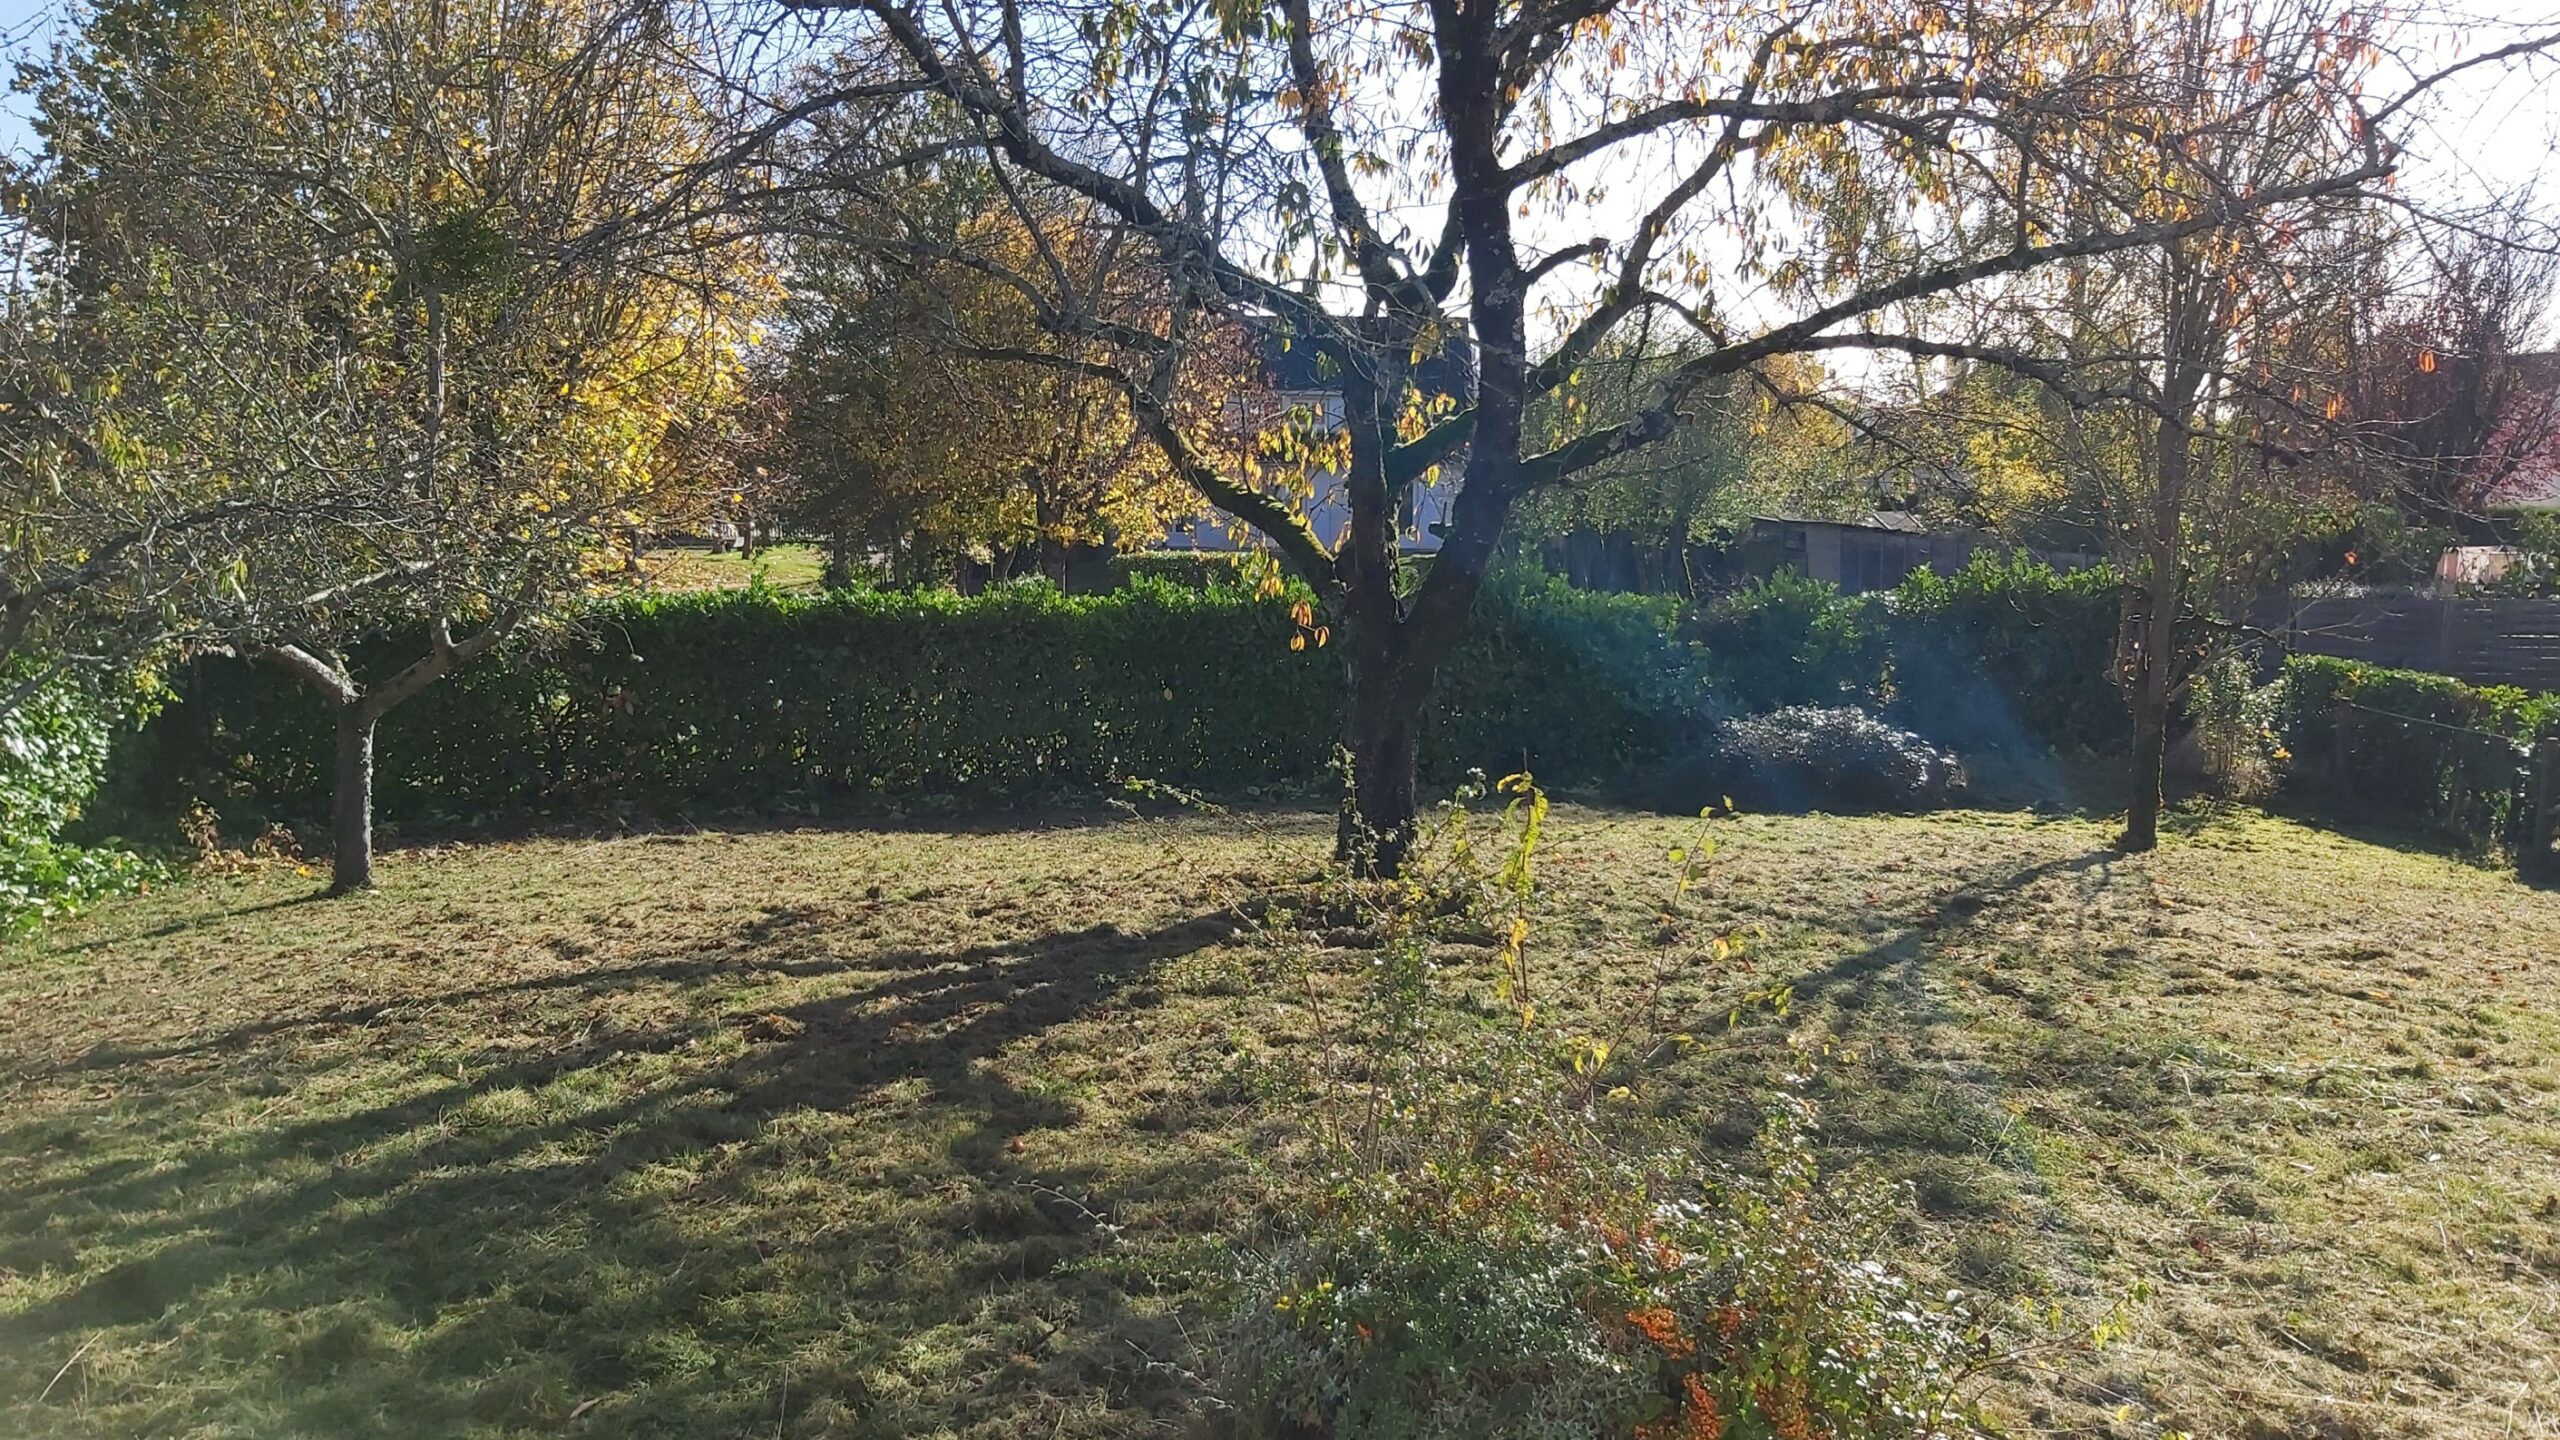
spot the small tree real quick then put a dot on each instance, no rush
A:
(2435, 386)
(2203, 378)
(425, 269)
(898, 421)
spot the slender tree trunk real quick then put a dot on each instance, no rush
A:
(839, 574)
(2150, 744)
(351, 821)
(2149, 687)
(358, 710)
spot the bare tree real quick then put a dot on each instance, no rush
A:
(2445, 392)
(1519, 182)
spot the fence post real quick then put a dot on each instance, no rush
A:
(2546, 803)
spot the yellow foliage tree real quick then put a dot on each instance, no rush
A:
(440, 271)
(903, 417)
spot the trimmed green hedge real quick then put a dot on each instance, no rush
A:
(2404, 747)
(668, 705)
(738, 700)
(2005, 653)
(2008, 655)
(747, 701)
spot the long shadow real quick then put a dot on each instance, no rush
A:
(740, 961)
(1859, 973)
(1023, 980)
(403, 1211)
(1924, 1123)
(198, 922)
(432, 1219)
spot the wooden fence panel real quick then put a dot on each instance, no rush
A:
(2487, 642)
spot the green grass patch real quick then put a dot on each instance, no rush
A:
(932, 1131)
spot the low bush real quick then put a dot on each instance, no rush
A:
(53, 749)
(1561, 1290)
(2408, 748)
(1505, 1245)
(1807, 758)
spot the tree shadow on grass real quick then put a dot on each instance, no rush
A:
(198, 922)
(1861, 977)
(832, 1215)
(1890, 1102)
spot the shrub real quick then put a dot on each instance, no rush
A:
(1503, 1245)
(1556, 1289)
(2410, 748)
(2234, 727)
(1804, 757)
(53, 749)
(2008, 654)
(1788, 640)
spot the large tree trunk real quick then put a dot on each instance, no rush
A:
(351, 818)
(1384, 737)
(1392, 656)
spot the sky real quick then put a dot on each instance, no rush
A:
(2492, 130)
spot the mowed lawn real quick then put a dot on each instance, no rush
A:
(930, 1131)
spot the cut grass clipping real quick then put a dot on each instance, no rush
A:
(926, 1132)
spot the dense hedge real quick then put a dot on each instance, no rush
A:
(2007, 654)
(758, 702)
(1792, 641)
(665, 705)
(2407, 748)
(739, 700)
(54, 747)
(1999, 655)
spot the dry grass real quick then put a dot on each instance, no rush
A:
(812, 1132)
